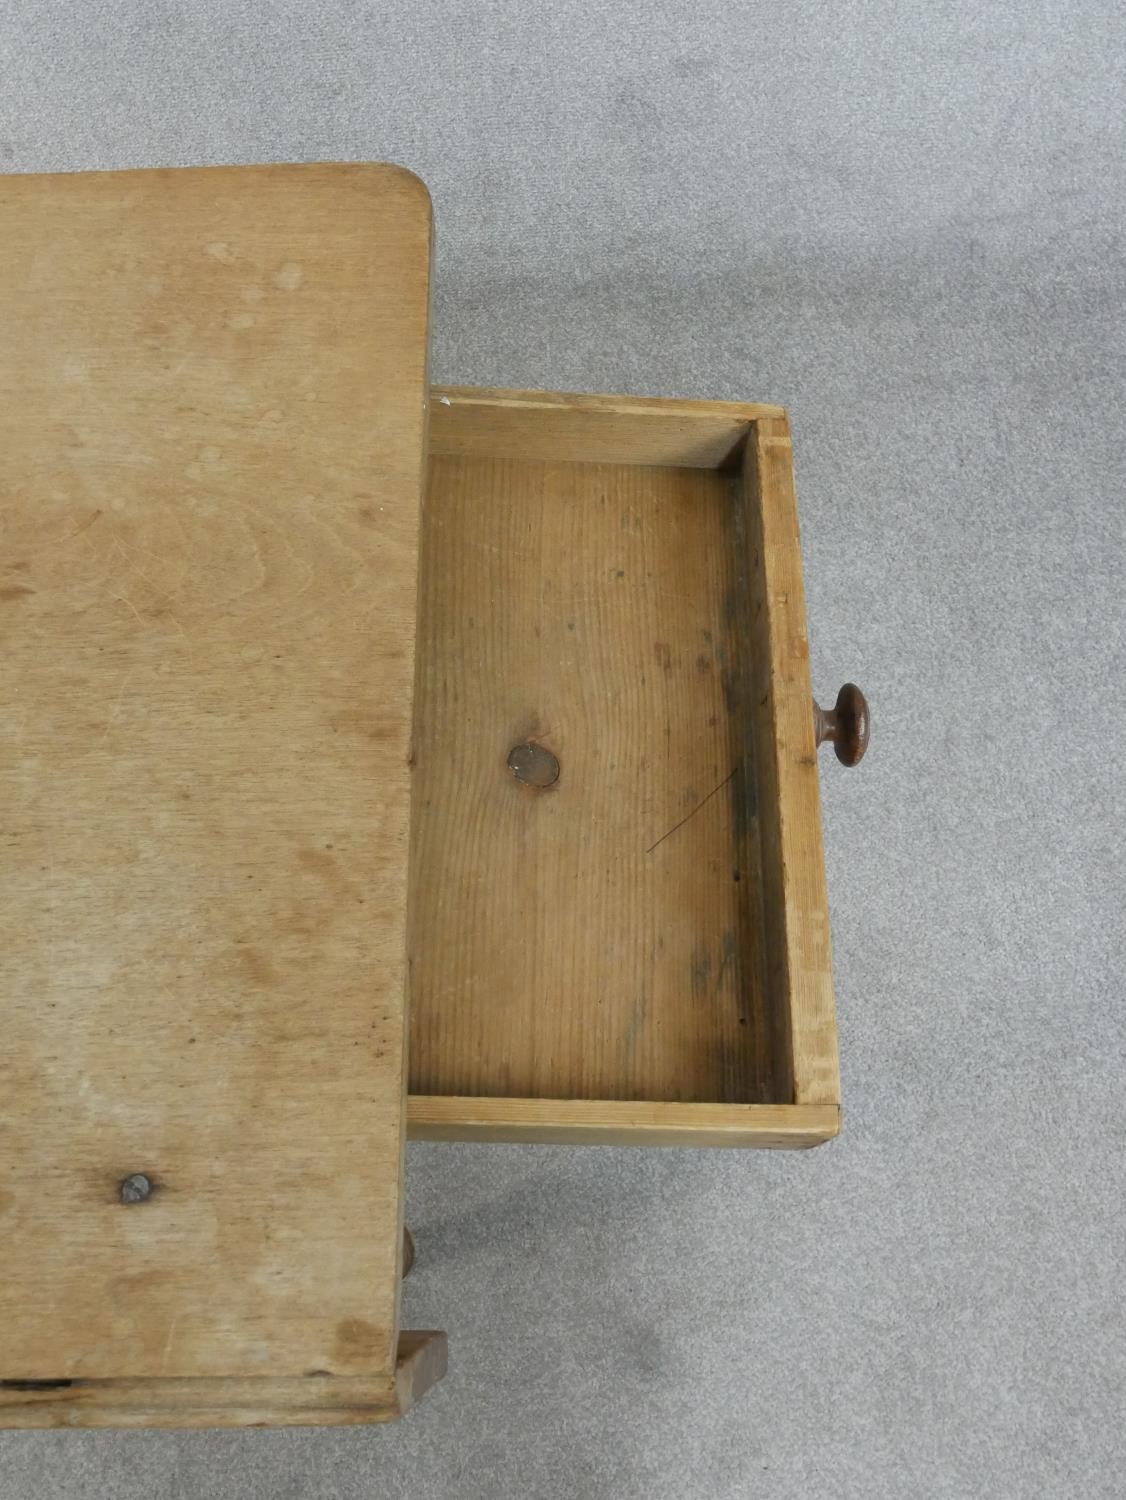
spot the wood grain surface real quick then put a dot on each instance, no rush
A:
(212, 398)
(600, 938)
(612, 1122)
(636, 950)
(317, 1399)
(796, 900)
(466, 422)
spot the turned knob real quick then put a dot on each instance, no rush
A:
(846, 725)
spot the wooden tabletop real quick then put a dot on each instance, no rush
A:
(212, 430)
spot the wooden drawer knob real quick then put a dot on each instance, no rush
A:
(846, 725)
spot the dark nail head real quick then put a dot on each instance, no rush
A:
(135, 1188)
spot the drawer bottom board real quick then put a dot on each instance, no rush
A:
(599, 937)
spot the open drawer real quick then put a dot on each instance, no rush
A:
(618, 921)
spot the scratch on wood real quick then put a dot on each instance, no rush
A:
(728, 953)
(121, 599)
(636, 1021)
(79, 529)
(125, 676)
(689, 816)
(167, 1350)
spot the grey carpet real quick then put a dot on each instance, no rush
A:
(906, 223)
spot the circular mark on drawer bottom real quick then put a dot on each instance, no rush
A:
(534, 765)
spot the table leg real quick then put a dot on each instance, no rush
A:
(408, 1252)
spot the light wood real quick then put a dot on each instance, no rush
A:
(588, 1122)
(212, 397)
(549, 426)
(260, 1401)
(599, 939)
(584, 966)
(796, 907)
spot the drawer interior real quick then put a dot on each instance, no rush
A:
(617, 934)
